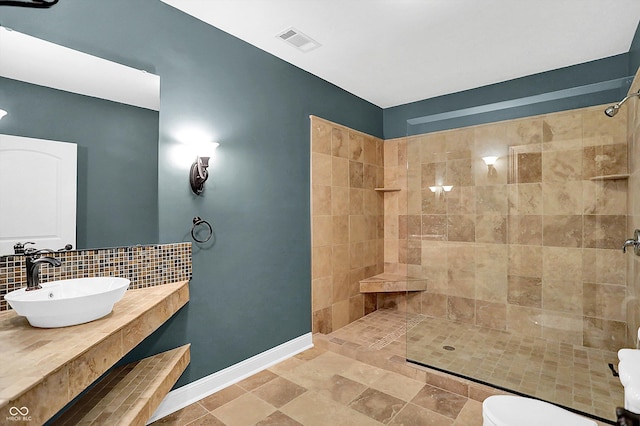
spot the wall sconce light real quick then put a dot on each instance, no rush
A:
(2, 113)
(440, 190)
(490, 161)
(198, 174)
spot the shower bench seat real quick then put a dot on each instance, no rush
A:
(388, 283)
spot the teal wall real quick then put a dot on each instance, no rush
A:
(117, 187)
(590, 73)
(251, 289)
(615, 67)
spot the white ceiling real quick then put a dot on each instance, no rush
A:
(392, 52)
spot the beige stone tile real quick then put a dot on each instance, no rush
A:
(339, 142)
(377, 405)
(356, 147)
(363, 373)
(492, 199)
(525, 199)
(491, 228)
(321, 199)
(339, 172)
(222, 397)
(525, 291)
(257, 380)
(320, 169)
(562, 198)
(246, 409)
(604, 231)
(390, 148)
(278, 419)
(461, 309)
(322, 321)
(340, 314)
(356, 174)
(470, 415)
(562, 264)
(412, 415)
(604, 266)
(459, 172)
(340, 389)
(279, 391)
(320, 136)
(525, 229)
(605, 301)
(605, 197)
(184, 416)
(322, 231)
(522, 319)
(397, 385)
(340, 205)
(563, 127)
(491, 315)
(562, 165)
(562, 295)
(206, 420)
(321, 293)
(439, 400)
(461, 228)
(356, 201)
(562, 231)
(321, 262)
(314, 409)
(287, 365)
(525, 261)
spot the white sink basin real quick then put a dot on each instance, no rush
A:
(68, 302)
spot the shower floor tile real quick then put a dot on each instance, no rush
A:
(565, 374)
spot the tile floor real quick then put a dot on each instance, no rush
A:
(321, 387)
(569, 375)
(356, 375)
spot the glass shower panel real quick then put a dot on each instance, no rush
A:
(516, 226)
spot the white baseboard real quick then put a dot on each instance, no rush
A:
(195, 391)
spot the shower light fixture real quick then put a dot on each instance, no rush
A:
(199, 174)
(613, 109)
(490, 161)
(2, 113)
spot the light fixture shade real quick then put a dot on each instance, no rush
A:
(490, 160)
(447, 188)
(2, 113)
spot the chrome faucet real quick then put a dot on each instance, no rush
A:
(33, 262)
(633, 242)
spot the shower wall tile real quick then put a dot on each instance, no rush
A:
(633, 262)
(525, 199)
(525, 229)
(347, 221)
(604, 231)
(461, 309)
(524, 291)
(562, 231)
(491, 315)
(604, 301)
(558, 231)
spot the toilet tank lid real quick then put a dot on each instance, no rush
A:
(506, 410)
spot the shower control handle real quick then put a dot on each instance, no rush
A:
(635, 242)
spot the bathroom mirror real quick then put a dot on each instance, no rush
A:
(111, 111)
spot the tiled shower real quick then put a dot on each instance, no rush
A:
(528, 250)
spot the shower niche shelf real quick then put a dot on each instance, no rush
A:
(610, 177)
(386, 189)
(389, 283)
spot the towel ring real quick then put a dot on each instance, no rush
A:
(196, 222)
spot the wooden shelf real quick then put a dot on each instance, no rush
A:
(610, 177)
(129, 394)
(386, 189)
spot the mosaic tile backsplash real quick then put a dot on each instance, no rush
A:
(145, 266)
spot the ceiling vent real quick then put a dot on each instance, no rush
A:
(298, 40)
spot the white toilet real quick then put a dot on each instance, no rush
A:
(507, 410)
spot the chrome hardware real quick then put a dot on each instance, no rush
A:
(635, 242)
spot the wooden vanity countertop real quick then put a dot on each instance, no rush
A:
(44, 369)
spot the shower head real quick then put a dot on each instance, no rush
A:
(613, 109)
